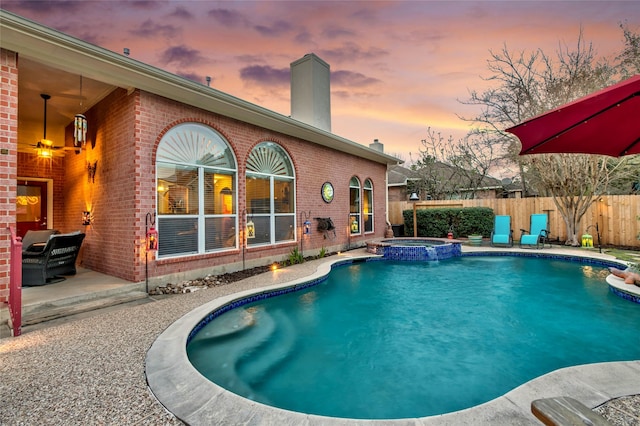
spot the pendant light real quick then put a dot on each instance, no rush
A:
(80, 125)
(44, 147)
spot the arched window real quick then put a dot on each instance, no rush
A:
(367, 206)
(271, 210)
(196, 184)
(354, 209)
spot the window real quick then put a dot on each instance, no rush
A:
(270, 195)
(367, 205)
(354, 210)
(196, 181)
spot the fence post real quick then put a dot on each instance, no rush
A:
(15, 284)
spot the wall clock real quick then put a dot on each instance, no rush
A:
(327, 192)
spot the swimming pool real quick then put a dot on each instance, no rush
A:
(374, 341)
(194, 399)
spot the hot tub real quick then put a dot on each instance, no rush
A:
(415, 248)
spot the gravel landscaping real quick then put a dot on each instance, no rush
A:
(91, 370)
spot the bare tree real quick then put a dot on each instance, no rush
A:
(474, 157)
(629, 58)
(628, 65)
(454, 169)
(516, 97)
(435, 175)
(574, 182)
(530, 84)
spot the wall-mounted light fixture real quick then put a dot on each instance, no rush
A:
(86, 218)
(306, 226)
(91, 170)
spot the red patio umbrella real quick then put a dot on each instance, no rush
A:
(606, 122)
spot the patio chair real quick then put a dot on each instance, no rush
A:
(537, 234)
(502, 232)
(58, 257)
(36, 240)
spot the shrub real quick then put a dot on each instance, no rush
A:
(463, 221)
(295, 256)
(322, 253)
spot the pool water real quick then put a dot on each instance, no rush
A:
(384, 339)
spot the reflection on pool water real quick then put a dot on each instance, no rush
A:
(389, 339)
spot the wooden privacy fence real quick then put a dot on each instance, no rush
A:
(617, 216)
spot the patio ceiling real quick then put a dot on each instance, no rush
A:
(64, 88)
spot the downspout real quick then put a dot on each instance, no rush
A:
(386, 197)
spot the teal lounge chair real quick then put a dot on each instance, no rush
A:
(538, 232)
(502, 232)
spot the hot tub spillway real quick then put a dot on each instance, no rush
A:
(432, 253)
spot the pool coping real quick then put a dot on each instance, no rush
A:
(183, 391)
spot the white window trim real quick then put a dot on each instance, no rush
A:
(371, 213)
(272, 215)
(201, 219)
(358, 214)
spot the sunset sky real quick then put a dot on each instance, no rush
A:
(396, 67)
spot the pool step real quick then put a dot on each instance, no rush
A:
(219, 361)
(272, 353)
(227, 325)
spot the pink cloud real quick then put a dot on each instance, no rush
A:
(398, 67)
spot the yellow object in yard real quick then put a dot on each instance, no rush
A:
(587, 240)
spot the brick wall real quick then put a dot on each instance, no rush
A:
(313, 165)
(110, 196)
(124, 131)
(8, 152)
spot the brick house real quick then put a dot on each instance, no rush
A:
(228, 183)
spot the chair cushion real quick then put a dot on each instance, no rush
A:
(501, 239)
(36, 237)
(502, 224)
(529, 239)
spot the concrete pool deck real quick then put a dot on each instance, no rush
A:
(91, 371)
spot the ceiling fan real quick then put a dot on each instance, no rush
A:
(45, 147)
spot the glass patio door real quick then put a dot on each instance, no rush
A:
(31, 206)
